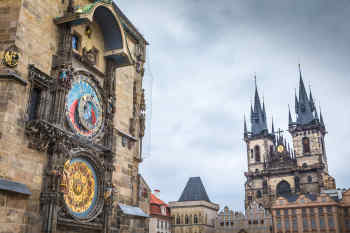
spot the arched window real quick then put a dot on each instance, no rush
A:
(304, 165)
(252, 153)
(258, 194)
(306, 145)
(178, 219)
(283, 188)
(309, 179)
(186, 219)
(195, 219)
(257, 153)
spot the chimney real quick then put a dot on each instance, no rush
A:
(156, 193)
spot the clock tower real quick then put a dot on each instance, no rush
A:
(72, 118)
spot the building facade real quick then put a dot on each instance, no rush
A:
(256, 220)
(71, 117)
(160, 221)
(277, 169)
(193, 212)
(312, 213)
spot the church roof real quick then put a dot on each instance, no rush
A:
(194, 191)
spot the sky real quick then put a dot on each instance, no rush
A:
(199, 81)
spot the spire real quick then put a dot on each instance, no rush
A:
(290, 120)
(296, 103)
(302, 91)
(257, 104)
(258, 114)
(303, 106)
(321, 119)
(245, 127)
(316, 115)
(312, 103)
(273, 127)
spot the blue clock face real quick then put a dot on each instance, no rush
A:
(84, 108)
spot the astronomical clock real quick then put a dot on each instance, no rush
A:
(84, 107)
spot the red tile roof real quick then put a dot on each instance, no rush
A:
(156, 200)
(156, 204)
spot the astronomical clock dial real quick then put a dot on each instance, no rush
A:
(81, 185)
(280, 148)
(84, 107)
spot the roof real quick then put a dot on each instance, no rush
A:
(132, 210)
(156, 205)
(156, 200)
(194, 191)
(14, 187)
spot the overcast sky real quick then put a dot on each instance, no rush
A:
(203, 55)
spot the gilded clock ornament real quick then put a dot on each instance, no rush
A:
(84, 107)
(280, 148)
(11, 57)
(81, 185)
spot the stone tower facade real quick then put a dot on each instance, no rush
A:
(72, 117)
(193, 212)
(274, 167)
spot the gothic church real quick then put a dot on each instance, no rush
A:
(274, 167)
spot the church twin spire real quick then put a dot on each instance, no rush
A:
(305, 109)
(257, 115)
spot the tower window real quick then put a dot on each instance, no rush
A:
(309, 179)
(306, 145)
(257, 153)
(34, 104)
(252, 153)
(258, 194)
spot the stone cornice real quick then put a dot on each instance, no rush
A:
(12, 76)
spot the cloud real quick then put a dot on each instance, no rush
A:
(203, 55)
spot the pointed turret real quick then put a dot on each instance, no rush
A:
(296, 103)
(304, 107)
(312, 103)
(272, 127)
(258, 115)
(290, 120)
(321, 119)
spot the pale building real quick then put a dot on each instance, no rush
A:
(160, 219)
(255, 220)
(325, 212)
(193, 212)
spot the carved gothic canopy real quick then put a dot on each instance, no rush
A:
(106, 14)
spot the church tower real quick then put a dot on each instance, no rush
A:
(259, 140)
(277, 169)
(308, 132)
(259, 144)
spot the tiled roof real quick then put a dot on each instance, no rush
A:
(194, 191)
(156, 200)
